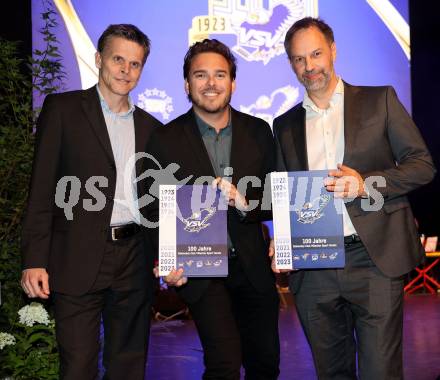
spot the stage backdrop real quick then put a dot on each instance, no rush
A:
(372, 38)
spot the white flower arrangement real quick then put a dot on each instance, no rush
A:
(6, 340)
(33, 313)
(29, 347)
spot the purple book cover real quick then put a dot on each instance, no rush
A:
(308, 225)
(201, 231)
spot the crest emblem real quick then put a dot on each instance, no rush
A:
(259, 26)
(312, 211)
(198, 220)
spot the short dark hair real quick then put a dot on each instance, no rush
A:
(209, 46)
(305, 23)
(129, 32)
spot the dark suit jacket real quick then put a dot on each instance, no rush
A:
(380, 140)
(252, 154)
(72, 140)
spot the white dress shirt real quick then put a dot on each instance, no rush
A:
(325, 138)
(120, 127)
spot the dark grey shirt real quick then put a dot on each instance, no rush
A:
(218, 146)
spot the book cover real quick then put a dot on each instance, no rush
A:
(192, 231)
(307, 220)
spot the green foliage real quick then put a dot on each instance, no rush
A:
(34, 354)
(47, 68)
(16, 147)
(35, 350)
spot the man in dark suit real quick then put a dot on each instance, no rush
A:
(82, 241)
(236, 317)
(374, 153)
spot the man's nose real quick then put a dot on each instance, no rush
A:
(125, 67)
(211, 80)
(309, 64)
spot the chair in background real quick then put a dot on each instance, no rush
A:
(424, 278)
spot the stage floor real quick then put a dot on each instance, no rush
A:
(175, 351)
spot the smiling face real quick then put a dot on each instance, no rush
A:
(312, 58)
(209, 84)
(120, 67)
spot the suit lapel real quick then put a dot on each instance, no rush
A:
(92, 108)
(240, 140)
(196, 143)
(351, 120)
(298, 130)
(140, 140)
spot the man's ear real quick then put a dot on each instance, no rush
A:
(186, 85)
(333, 49)
(98, 60)
(233, 86)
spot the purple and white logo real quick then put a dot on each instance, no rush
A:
(261, 29)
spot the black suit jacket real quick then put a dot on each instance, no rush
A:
(252, 154)
(72, 140)
(380, 140)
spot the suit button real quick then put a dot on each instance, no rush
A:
(113, 166)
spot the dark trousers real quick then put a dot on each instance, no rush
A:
(120, 296)
(355, 309)
(236, 326)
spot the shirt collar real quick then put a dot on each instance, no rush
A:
(107, 109)
(337, 95)
(204, 127)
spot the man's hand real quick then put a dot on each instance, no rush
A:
(35, 283)
(230, 192)
(156, 271)
(175, 278)
(346, 183)
(272, 257)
